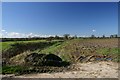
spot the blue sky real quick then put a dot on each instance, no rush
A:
(21, 19)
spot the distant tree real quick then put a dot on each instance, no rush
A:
(66, 36)
(92, 36)
(50, 38)
(111, 36)
(75, 36)
(98, 37)
(57, 37)
(116, 35)
(103, 36)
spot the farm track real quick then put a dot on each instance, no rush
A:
(81, 70)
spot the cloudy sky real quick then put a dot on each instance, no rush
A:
(23, 19)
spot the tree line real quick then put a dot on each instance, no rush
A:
(64, 37)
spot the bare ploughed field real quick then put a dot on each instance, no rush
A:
(80, 70)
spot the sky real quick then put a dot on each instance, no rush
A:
(23, 19)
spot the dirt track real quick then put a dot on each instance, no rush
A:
(82, 70)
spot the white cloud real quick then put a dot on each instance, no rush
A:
(14, 35)
(93, 30)
(47, 35)
(84, 36)
(6, 34)
(31, 34)
(3, 30)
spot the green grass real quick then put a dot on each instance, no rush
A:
(7, 45)
(107, 51)
(52, 49)
(57, 47)
(12, 69)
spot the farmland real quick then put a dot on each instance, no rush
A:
(70, 51)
